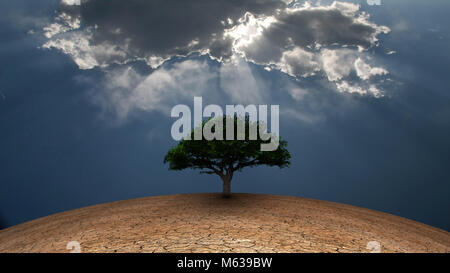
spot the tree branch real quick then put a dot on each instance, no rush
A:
(246, 164)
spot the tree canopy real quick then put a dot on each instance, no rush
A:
(225, 157)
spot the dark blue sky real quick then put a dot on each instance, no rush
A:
(72, 136)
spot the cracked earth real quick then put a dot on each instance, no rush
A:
(208, 223)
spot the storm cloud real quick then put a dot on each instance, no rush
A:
(151, 30)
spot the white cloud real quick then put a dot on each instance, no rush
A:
(238, 82)
(63, 23)
(298, 62)
(87, 56)
(301, 116)
(337, 63)
(246, 33)
(365, 71)
(71, 2)
(304, 40)
(390, 52)
(344, 86)
(125, 91)
(297, 93)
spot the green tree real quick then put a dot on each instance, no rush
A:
(225, 157)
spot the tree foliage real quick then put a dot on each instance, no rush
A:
(224, 157)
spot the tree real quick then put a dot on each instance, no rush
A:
(225, 157)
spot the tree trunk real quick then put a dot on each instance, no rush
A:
(227, 185)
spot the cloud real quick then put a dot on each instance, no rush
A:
(86, 55)
(330, 41)
(338, 63)
(264, 39)
(297, 93)
(301, 116)
(71, 2)
(365, 71)
(345, 86)
(307, 40)
(235, 77)
(163, 28)
(298, 62)
(124, 90)
(63, 23)
(400, 26)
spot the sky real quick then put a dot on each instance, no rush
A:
(86, 90)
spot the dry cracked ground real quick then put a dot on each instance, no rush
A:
(209, 223)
